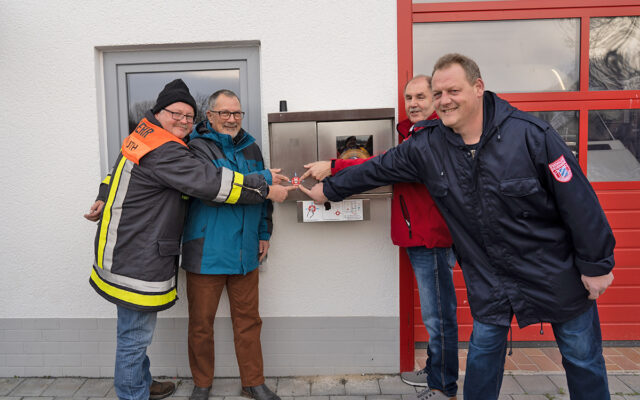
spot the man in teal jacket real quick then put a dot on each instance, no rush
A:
(223, 246)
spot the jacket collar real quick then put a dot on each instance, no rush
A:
(204, 130)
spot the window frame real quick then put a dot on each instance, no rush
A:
(581, 100)
(118, 61)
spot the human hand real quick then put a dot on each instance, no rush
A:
(279, 193)
(318, 169)
(278, 178)
(596, 285)
(263, 249)
(315, 193)
(95, 211)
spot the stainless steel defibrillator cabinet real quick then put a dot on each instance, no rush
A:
(298, 138)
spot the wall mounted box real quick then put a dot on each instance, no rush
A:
(298, 138)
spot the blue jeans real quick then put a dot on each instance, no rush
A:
(132, 377)
(580, 344)
(433, 269)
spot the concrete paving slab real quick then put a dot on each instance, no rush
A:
(64, 387)
(633, 381)
(75, 398)
(294, 387)
(226, 387)
(38, 398)
(31, 387)
(361, 386)
(347, 398)
(616, 386)
(536, 384)
(384, 397)
(103, 398)
(561, 382)
(184, 388)
(8, 384)
(307, 398)
(394, 385)
(95, 387)
(328, 386)
(509, 386)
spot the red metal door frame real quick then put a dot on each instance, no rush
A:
(618, 208)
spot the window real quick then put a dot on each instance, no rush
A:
(576, 67)
(133, 80)
(514, 56)
(614, 56)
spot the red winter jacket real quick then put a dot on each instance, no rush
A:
(415, 219)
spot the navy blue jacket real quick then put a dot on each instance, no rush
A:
(220, 239)
(525, 221)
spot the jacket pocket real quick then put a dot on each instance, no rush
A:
(519, 187)
(438, 188)
(168, 247)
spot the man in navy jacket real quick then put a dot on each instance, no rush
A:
(529, 233)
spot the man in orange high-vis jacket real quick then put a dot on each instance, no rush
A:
(141, 210)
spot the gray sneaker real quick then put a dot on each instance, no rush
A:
(415, 378)
(429, 394)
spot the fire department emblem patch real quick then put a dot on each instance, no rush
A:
(561, 170)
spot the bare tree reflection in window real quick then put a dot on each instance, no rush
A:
(614, 59)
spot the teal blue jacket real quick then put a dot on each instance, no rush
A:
(220, 238)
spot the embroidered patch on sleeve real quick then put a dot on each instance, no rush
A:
(561, 170)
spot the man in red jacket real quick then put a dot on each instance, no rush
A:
(417, 225)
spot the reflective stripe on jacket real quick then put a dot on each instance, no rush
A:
(137, 244)
(222, 239)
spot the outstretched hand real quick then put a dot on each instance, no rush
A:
(279, 193)
(278, 178)
(315, 193)
(318, 169)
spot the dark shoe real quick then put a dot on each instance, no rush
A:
(261, 392)
(160, 390)
(200, 393)
(415, 378)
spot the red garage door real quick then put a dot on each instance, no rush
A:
(574, 63)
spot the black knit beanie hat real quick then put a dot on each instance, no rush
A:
(174, 92)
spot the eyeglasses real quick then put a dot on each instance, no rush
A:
(178, 116)
(227, 114)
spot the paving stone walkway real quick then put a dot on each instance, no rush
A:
(345, 387)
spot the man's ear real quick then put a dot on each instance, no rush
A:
(479, 87)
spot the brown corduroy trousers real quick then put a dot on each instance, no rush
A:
(203, 293)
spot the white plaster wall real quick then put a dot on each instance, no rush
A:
(318, 55)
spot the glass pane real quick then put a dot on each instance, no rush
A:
(614, 145)
(143, 89)
(513, 56)
(565, 123)
(614, 55)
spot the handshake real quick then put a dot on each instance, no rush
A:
(318, 170)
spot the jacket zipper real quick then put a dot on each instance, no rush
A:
(405, 214)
